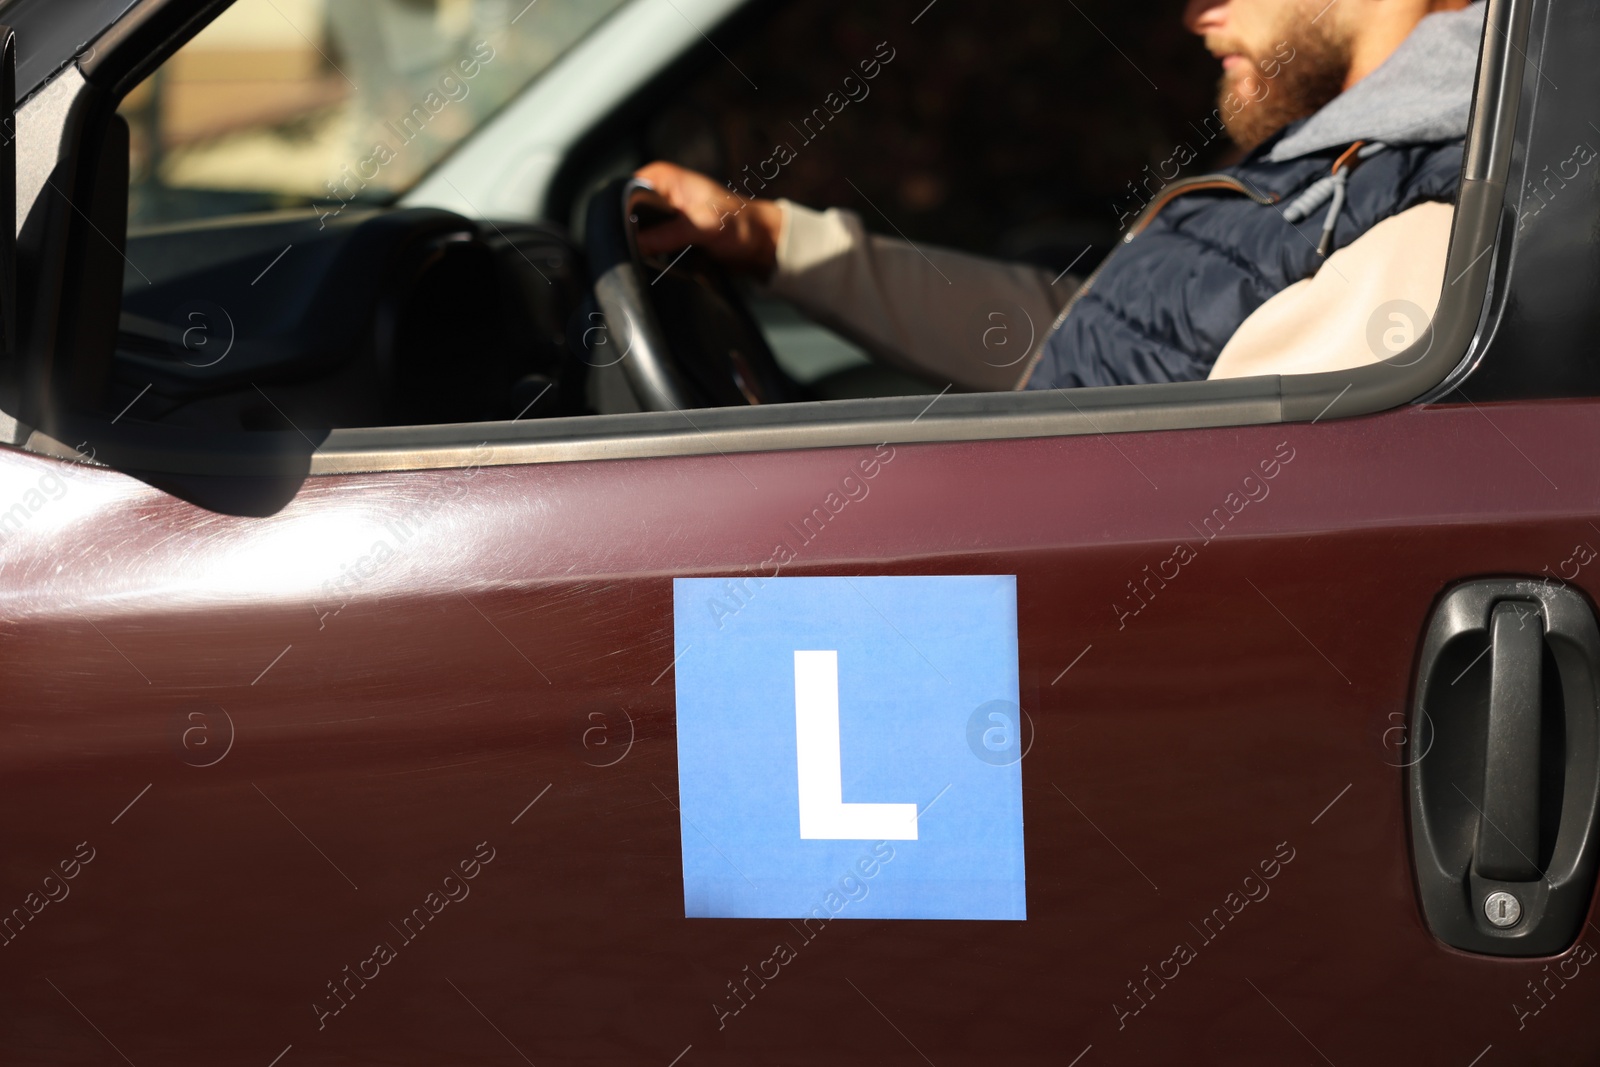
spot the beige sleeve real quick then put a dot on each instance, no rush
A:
(1369, 301)
(943, 315)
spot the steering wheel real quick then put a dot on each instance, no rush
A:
(687, 338)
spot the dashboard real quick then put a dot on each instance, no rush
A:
(367, 317)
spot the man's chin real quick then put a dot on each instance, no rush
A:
(1243, 84)
(1255, 104)
(1237, 94)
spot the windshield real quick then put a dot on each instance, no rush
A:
(300, 102)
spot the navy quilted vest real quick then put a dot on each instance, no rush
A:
(1164, 303)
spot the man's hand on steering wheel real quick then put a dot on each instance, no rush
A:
(687, 337)
(738, 233)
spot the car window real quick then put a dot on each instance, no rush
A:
(294, 102)
(407, 316)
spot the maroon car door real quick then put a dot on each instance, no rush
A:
(392, 775)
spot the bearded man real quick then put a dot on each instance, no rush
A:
(1352, 115)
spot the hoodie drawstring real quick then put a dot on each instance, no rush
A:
(1330, 190)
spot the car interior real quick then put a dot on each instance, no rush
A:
(270, 239)
(271, 278)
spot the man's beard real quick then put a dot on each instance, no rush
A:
(1260, 105)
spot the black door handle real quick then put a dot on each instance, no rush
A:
(1505, 792)
(1508, 833)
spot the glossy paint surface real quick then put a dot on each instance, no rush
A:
(497, 681)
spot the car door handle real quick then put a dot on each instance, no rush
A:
(1508, 832)
(1504, 768)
